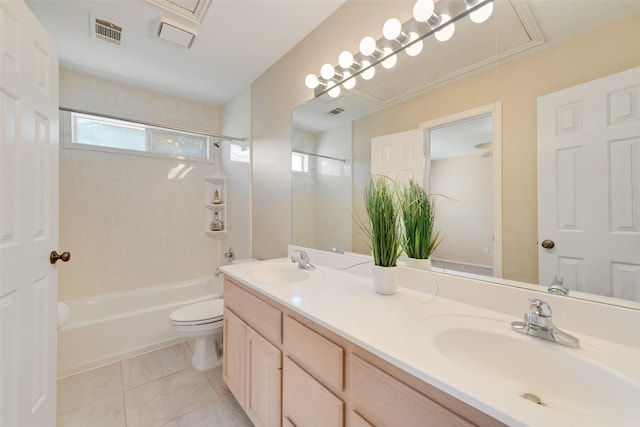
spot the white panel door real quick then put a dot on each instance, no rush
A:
(589, 186)
(28, 219)
(400, 156)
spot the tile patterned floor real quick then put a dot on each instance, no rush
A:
(158, 389)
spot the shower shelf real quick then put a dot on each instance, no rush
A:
(215, 183)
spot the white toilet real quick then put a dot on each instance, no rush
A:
(202, 321)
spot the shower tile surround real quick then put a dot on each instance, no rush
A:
(126, 223)
(151, 390)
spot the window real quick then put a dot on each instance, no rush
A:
(299, 162)
(117, 135)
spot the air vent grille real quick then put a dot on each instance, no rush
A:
(335, 111)
(108, 31)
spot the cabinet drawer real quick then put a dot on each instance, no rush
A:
(259, 315)
(387, 402)
(305, 402)
(355, 420)
(315, 354)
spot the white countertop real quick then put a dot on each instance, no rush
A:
(401, 328)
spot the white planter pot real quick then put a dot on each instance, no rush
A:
(384, 280)
(422, 264)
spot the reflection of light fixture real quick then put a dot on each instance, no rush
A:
(480, 15)
(415, 48)
(369, 72)
(349, 83)
(446, 32)
(391, 61)
(334, 89)
(385, 50)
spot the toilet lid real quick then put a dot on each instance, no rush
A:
(209, 309)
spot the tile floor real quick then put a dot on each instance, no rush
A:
(157, 389)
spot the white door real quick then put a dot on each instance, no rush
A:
(400, 156)
(28, 219)
(589, 186)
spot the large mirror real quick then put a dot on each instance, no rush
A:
(532, 49)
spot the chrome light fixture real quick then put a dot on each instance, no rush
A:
(395, 40)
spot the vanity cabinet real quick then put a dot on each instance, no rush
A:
(285, 369)
(251, 364)
(312, 373)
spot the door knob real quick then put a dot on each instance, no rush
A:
(54, 257)
(548, 244)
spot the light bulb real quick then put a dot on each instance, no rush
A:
(311, 81)
(392, 29)
(370, 72)
(416, 48)
(334, 92)
(447, 31)
(480, 15)
(367, 46)
(347, 82)
(345, 60)
(391, 61)
(422, 10)
(327, 71)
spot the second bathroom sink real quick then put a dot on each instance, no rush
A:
(279, 272)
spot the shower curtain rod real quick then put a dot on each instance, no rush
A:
(320, 155)
(107, 116)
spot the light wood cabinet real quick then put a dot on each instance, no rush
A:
(286, 370)
(305, 402)
(263, 381)
(314, 353)
(387, 402)
(252, 370)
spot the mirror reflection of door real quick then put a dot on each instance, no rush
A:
(457, 170)
(460, 182)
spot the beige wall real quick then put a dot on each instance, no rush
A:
(464, 214)
(517, 84)
(125, 221)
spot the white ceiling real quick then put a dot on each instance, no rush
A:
(236, 41)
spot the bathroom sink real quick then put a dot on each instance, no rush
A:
(279, 272)
(564, 380)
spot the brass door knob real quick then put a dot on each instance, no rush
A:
(54, 257)
(548, 244)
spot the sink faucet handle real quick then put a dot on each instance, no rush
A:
(539, 307)
(303, 254)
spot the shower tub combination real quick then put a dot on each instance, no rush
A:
(111, 327)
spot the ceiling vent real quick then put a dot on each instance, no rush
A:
(335, 111)
(174, 33)
(106, 30)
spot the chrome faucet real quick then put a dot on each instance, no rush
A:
(556, 287)
(302, 260)
(538, 324)
(230, 256)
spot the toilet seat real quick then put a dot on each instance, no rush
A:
(199, 313)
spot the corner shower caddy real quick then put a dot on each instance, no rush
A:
(212, 183)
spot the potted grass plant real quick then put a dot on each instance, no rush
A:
(418, 239)
(383, 231)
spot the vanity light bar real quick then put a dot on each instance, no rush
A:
(441, 25)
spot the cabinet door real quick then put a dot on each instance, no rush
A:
(306, 403)
(263, 380)
(235, 331)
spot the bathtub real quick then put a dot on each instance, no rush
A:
(111, 327)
